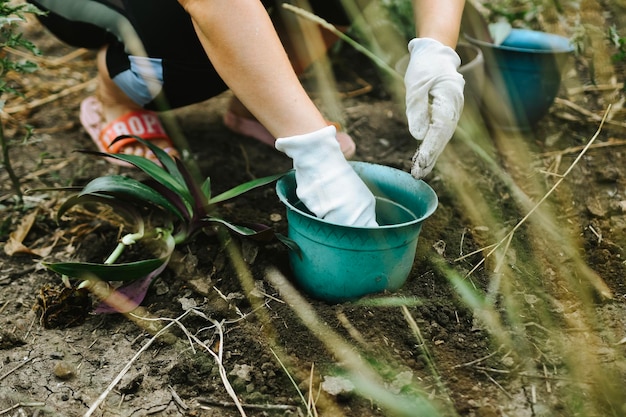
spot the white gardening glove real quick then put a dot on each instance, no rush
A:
(326, 183)
(434, 99)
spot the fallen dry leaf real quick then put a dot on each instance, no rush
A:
(15, 243)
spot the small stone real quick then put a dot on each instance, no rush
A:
(596, 207)
(187, 303)
(275, 217)
(336, 385)
(242, 371)
(401, 380)
(57, 355)
(161, 288)
(131, 383)
(64, 370)
(201, 285)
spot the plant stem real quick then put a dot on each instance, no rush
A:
(323, 23)
(119, 249)
(6, 161)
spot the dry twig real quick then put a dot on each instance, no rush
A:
(20, 405)
(575, 149)
(127, 367)
(36, 103)
(509, 235)
(264, 407)
(16, 368)
(591, 115)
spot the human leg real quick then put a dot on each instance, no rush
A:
(304, 43)
(129, 81)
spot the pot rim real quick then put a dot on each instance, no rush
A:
(559, 50)
(427, 188)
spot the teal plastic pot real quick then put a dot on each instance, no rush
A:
(338, 263)
(525, 74)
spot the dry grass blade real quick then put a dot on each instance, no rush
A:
(49, 99)
(589, 114)
(15, 368)
(366, 380)
(574, 149)
(22, 405)
(219, 360)
(323, 23)
(128, 365)
(603, 289)
(306, 403)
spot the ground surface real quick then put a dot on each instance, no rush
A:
(436, 345)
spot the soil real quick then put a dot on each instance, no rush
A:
(427, 340)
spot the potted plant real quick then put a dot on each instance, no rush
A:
(181, 207)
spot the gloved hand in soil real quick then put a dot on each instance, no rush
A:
(434, 99)
(325, 182)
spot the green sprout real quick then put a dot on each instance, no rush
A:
(183, 207)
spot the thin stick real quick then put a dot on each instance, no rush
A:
(323, 23)
(422, 344)
(352, 331)
(177, 399)
(587, 113)
(475, 252)
(128, 365)
(545, 197)
(18, 405)
(475, 361)
(227, 404)
(498, 385)
(574, 149)
(36, 103)
(37, 174)
(293, 382)
(16, 368)
(312, 401)
(599, 87)
(217, 356)
(46, 61)
(218, 326)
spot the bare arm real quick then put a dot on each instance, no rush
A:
(439, 19)
(241, 42)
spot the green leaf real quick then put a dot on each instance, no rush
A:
(115, 272)
(244, 231)
(290, 243)
(131, 190)
(206, 188)
(243, 188)
(167, 162)
(164, 158)
(154, 171)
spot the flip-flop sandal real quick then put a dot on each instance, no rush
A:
(142, 123)
(254, 129)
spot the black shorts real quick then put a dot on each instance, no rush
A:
(154, 54)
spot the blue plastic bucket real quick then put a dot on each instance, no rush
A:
(525, 71)
(338, 263)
